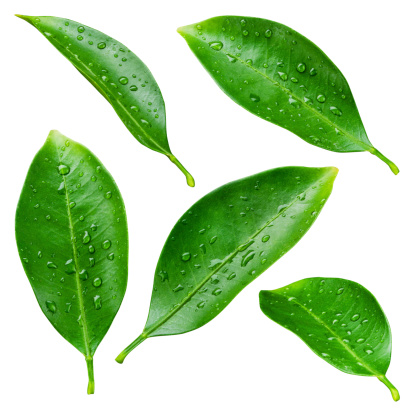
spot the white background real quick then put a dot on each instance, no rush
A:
(241, 361)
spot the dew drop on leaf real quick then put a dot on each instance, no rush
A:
(63, 169)
(216, 45)
(51, 306)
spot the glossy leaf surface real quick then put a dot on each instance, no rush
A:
(118, 74)
(72, 238)
(226, 240)
(281, 76)
(339, 320)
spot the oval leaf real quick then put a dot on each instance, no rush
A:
(118, 74)
(226, 240)
(71, 233)
(281, 76)
(339, 320)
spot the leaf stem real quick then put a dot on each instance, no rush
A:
(120, 358)
(394, 392)
(91, 383)
(382, 157)
(188, 176)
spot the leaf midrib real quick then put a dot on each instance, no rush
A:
(100, 86)
(363, 145)
(337, 337)
(226, 260)
(84, 328)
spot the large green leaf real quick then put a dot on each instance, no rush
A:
(281, 76)
(226, 240)
(72, 238)
(118, 74)
(339, 320)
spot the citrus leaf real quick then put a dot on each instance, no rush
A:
(226, 240)
(71, 233)
(118, 74)
(339, 320)
(281, 76)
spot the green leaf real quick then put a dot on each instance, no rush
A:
(281, 76)
(72, 237)
(339, 320)
(226, 240)
(118, 74)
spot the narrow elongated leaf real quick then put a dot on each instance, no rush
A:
(72, 238)
(226, 240)
(118, 74)
(339, 320)
(281, 76)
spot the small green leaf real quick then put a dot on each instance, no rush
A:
(339, 320)
(279, 75)
(226, 240)
(72, 237)
(118, 74)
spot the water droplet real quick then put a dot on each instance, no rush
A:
(51, 306)
(106, 244)
(61, 190)
(101, 45)
(111, 256)
(86, 238)
(245, 32)
(360, 340)
(313, 72)
(294, 103)
(254, 97)
(178, 288)
(203, 248)
(146, 123)
(301, 67)
(335, 111)
(97, 301)
(231, 276)
(68, 306)
(245, 245)
(94, 227)
(369, 351)
(268, 33)
(321, 98)
(355, 317)
(185, 257)
(243, 22)
(283, 76)
(63, 169)
(213, 239)
(340, 291)
(214, 279)
(72, 204)
(50, 265)
(216, 45)
(216, 292)
(201, 304)
(265, 238)
(97, 282)
(247, 258)
(83, 274)
(123, 80)
(70, 267)
(133, 88)
(80, 37)
(108, 195)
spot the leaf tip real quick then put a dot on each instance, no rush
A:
(28, 19)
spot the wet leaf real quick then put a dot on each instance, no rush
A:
(71, 233)
(279, 75)
(226, 240)
(118, 74)
(339, 320)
